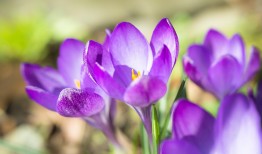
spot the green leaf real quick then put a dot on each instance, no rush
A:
(155, 130)
(180, 94)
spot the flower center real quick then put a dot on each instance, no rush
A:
(135, 75)
(77, 83)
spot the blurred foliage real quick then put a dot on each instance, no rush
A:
(15, 142)
(24, 38)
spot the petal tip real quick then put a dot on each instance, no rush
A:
(79, 103)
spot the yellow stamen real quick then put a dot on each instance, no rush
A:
(134, 75)
(77, 83)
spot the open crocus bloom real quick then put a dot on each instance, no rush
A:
(219, 65)
(70, 90)
(236, 130)
(130, 69)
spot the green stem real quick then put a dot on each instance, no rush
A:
(144, 139)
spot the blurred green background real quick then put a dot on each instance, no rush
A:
(32, 30)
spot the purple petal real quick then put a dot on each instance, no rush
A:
(95, 53)
(191, 70)
(164, 34)
(189, 119)
(194, 73)
(107, 62)
(238, 126)
(107, 40)
(226, 76)
(45, 78)
(200, 57)
(70, 60)
(79, 103)
(253, 64)
(87, 82)
(107, 83)
(123, 75)
(129, 47)
(173, 146)
(144, 91)
(44, 98)
(216, 42)
(236, 48)
(162, 65)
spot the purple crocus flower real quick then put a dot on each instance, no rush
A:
(70, 90)
(135, 71)
(219, 65)
(235, 130)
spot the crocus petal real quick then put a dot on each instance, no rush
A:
(189, 119)
(253, 64)
(225, 75)
(70, 60)
(95, 53)
(107, 61)
(79, 103)
(173, 146)
(200, 57)
(236, 48)
(162, 65)
(196, 64)
(238, 127)
(107, 39)
(107, 83)
(144, 91)
(164, 34)
(191, 70)
(45, 78)
(123, 75)
(87, 81)
(42, 97)
(129, 47)
(216, 43)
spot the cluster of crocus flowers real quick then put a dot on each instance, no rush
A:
(235, 130)
(218, 66)
(89, 78)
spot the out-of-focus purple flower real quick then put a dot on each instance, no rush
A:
(135, 71)
(70, 90)
(219, 65)
(236, 130)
